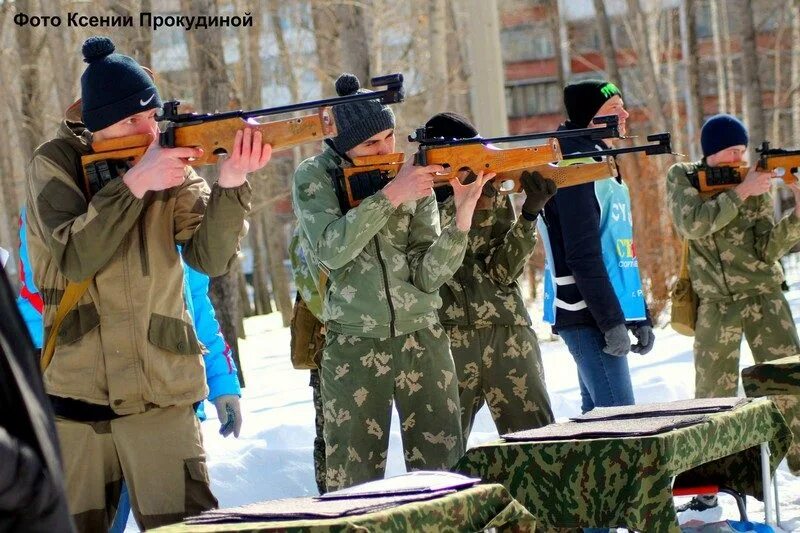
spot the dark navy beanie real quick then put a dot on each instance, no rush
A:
(583, 99)
(450, 126)
(721, 132)
(358, 121)
(113, 86)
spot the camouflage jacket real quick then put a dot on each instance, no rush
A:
(130, 342)
(384, 265)
(484, 290)
(734, 246)
(305, 278)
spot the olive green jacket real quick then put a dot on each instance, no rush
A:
(129, 343)
(384, 264)
(484, 291)
(734, 246)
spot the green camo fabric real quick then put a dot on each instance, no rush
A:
(474, 509)
(628, 482)
(781, 376)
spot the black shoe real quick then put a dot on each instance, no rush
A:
(700, 502)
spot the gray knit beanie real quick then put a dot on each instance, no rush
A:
(358, 121)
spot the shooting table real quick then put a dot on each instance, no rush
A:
(781, 376)
(628, 481)
(473, 509)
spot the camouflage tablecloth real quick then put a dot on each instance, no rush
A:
(627, 482)
(473, 509)
(781, 376)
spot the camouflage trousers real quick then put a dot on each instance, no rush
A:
(319, 437)
(502, 366)
(361, 377)
(767, 323)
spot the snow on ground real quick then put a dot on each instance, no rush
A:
(272, 457)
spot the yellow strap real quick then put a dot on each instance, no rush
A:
(322, 285)
(685, 260)
(72, 294)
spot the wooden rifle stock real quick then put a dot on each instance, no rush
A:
(382, 168)
(479, 157)
(563, 176)
(723, 177)
(215, 133)
(217, 137)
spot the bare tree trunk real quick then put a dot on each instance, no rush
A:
(214, 92)
(64, 66)
(794, 16)
(730, 74)
(487, 90)
(693, 96)
(326, 38)
(436, 97)
(30, 43)
(263, 300)
(354, 41)
(647, 66)
(778, 68)
(607, 44)
(554, 22)
(458, 79)
(751, 82)
(678, 137)
(277, 253)
(722, 92)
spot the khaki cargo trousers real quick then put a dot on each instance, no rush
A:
(160, 455)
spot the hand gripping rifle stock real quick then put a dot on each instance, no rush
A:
(215, 132)
(784, 163)
(369, 174)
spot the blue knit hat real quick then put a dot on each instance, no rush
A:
(358, 121)
(721, 132)
(113, 86)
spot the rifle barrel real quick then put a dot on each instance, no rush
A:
(392, 94)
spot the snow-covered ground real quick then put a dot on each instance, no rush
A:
(272, 457)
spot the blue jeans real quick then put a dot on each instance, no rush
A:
(123, 510)
(604, 379)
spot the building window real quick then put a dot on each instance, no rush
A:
(531, 99)
(526, 43)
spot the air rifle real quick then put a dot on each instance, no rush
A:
(215, 132)
(785, 164)
(369, 174)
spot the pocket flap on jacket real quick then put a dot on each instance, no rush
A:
(173, 334)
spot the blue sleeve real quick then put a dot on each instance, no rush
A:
(221, 374)
(580, 227)
(29, 300)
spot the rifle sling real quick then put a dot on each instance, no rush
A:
(73, 293)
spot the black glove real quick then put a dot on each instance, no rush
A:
(538, 191)
(617, 341)
(646, 338)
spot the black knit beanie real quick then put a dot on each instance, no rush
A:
(450, 126)
(584, 98)
(720, 132)
(113, 86)
(358, 121)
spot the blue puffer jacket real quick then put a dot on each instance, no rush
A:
(220, 368)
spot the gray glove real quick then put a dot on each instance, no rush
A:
(646, 338)
(617, 341)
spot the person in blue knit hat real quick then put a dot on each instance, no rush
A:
(126, 366)
(734, 246)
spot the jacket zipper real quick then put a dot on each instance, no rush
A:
(392, 332)
(143, 248)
